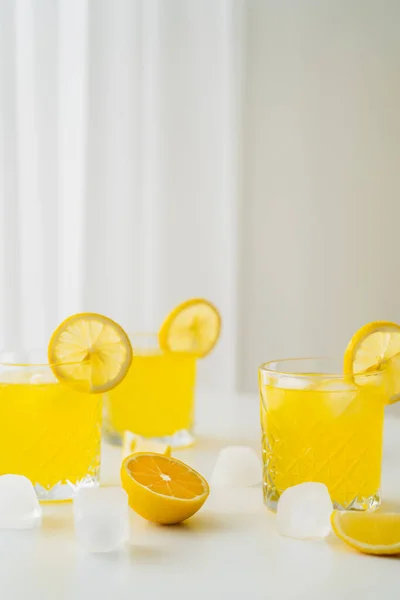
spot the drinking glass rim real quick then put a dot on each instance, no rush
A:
(142, 335)
(34, 363)
(38, 364)
(271, 368)
(142, 350)
(138, 341)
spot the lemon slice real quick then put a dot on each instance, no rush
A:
(133, 444)
(371, 533)
(376, 347)
(192, 327)
(162, 489)
(90, 351)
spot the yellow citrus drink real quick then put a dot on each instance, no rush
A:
(156, 399)
(323, 428)
(49, 432)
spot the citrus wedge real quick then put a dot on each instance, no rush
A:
(376, 347)
(193, 327)
(162, 489)
(371, 533)
(132, 443)
(90, 352)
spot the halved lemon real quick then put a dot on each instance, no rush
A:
(132, 443)
(371, 533)
(193, 326)
(376, 347)
(162, 489)
(90, 351)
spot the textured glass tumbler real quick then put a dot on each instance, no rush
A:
(49, 431)
(319, 426)
(156, 399)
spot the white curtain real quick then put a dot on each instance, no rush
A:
(246, 151)
(117, 164)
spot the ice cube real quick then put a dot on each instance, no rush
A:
(101, 518)
(289, 382)
(10, 374)
(304, 511)
(237, 466)
(19, 506)
(42, 378)
(335, 385)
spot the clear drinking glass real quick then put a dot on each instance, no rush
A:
(319, 426)
(49, 431)
(156, 398)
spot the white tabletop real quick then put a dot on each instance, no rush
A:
(230, 550)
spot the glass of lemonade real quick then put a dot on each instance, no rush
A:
(318, 425)
(49, 431)
(156, 399)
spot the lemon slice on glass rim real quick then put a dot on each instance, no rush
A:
(90, 352)
(193, 327)
(373, 348)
